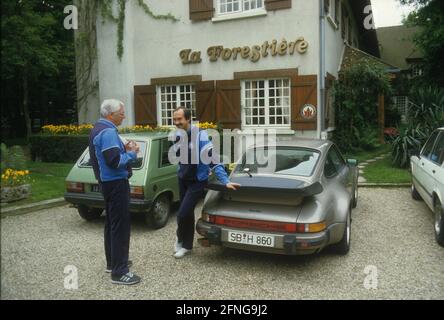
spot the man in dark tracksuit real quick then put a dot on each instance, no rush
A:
(111, 163)
(193, 177)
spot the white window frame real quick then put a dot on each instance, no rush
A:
(267, 125)
(241, 13)
(177, 102)
(417, 70)
(332, 12)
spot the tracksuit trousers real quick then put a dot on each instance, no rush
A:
(117, 225)
(190, 193)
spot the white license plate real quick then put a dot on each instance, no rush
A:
(254, 239)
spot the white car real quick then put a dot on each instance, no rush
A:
(428, 179)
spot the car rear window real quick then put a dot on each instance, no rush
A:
(280, 160)
(137, 164)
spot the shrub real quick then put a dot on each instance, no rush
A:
(13, 158)
(65, 143)
(57, 148)
(426, 113)
(355, 96)
(409, 139)
(427, 108)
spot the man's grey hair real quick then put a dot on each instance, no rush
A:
(109, 106)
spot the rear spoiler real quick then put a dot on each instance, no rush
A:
(270, 185)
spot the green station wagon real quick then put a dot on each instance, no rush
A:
(154, 184)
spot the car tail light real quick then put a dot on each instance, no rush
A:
(205, 217)
(136, 192)
(310, 227)
(75, 187)
(254, 224)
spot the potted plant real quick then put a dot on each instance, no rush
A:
(15, 185)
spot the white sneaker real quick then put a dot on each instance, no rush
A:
(177, 246)
(181, 253)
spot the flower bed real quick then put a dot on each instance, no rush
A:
(65, 143)
(15, 185)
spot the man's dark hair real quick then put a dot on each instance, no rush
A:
(186, 112)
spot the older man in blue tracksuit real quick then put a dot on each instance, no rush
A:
(193, 176)
(111, 160)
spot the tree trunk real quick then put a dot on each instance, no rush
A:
(381, 118)
(26, 104)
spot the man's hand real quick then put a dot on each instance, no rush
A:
(233, 186)
(132, 146)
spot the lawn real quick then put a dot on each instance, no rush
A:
(47, 182)
(365, 155)
(381, 171)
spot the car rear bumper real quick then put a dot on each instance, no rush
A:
(285, 243)
(96, 201)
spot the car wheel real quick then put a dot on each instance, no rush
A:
(415, 193)
(88, 213)
(439, 223)
(158, 216)
(355, 196)
(343, 247)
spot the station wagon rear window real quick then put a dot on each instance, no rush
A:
(137, 164)
(280, 160)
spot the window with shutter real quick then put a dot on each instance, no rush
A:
(228, 103)
(145, 109)
(303, 91)
(336, 15)
(271, 5)
(266, 103)
(173, 96)
(201, 9)
(236, 6)
(206, 101)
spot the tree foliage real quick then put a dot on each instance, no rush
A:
(37, 62)
(429, 16)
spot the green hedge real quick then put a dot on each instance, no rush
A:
(57, 148)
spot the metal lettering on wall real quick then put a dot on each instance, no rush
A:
(253, 53)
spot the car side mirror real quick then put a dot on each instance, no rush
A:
(414, 152)
(352, 162)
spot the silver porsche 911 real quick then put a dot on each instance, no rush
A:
(298, 201)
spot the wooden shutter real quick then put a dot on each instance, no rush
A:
(228, 104)
(205, 101)
(145, 106)
(277, 4)
(303, 91)
(201, 9)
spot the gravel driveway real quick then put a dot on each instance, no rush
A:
(392, 241)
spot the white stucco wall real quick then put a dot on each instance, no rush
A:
(116, 78)
(335, 44)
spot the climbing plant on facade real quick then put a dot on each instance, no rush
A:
(107, 13)
(86, 41)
